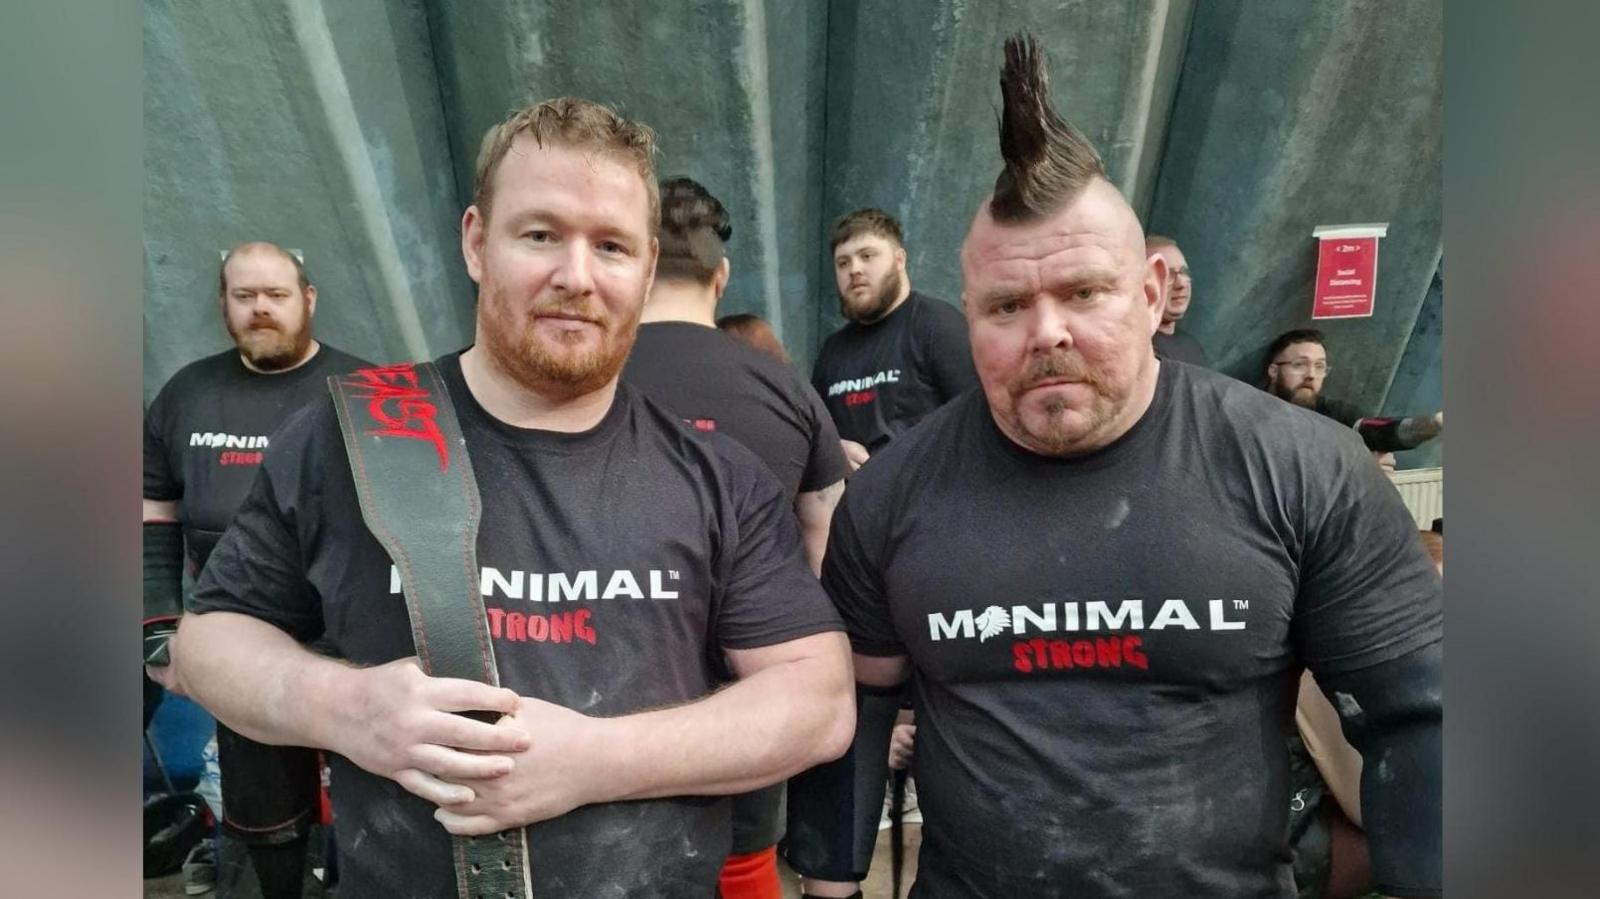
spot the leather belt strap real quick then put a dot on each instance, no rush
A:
(419, 498)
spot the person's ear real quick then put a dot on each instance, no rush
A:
(719, 280)
(472, 235)
(1155, 289)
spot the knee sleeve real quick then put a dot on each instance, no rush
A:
(269, 793)
(280, 868)
(834, 808)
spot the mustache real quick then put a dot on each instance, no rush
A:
(1056, 365)
(573, 309)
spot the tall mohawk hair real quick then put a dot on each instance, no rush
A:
(1047, 160)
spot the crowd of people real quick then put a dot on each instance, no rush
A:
(700, 577)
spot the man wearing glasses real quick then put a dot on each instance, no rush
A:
(1175, 296)
(1297, 369)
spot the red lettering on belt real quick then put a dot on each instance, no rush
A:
(401, 408)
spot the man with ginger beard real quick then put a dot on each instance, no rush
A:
(630, 566)
(1105, 645)
(205, 436)
(901, 354)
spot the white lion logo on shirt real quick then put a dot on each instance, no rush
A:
(994, 620)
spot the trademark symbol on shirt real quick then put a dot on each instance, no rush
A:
(1240, 604)
(672, 575)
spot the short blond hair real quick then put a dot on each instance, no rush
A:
(575, 123)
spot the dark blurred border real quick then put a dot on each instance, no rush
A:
(70, 273)
(1522, 255)
(1522, 265)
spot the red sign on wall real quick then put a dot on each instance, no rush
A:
(1347, 270)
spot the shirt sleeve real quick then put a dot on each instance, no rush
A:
(1340, 411)
(854, 581)
(816, 378)
(948, 353)
(770, 596)
(258, 568)
(1368, 591)
(160, 481)
(826, 465)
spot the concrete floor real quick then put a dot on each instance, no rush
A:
(876, 887)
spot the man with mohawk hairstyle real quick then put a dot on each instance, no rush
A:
(1106, 647)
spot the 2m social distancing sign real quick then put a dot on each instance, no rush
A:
(1347, 270)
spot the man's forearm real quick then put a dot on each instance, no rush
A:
(814, 509)
(762, 729)
(833, 808)
(257, 679)
(1389, 435)
(1419, 429)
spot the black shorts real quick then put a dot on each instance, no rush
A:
(269, 793)
(758, 819)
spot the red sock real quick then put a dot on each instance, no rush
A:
(751, 875)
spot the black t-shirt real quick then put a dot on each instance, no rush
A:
(878, 380)
(1181, 347)
(618, 563)
(207, 430)
(717, 383)
(1106, 650)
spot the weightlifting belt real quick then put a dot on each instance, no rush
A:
(419, 498)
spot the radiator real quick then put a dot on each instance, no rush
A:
(1423, 492)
